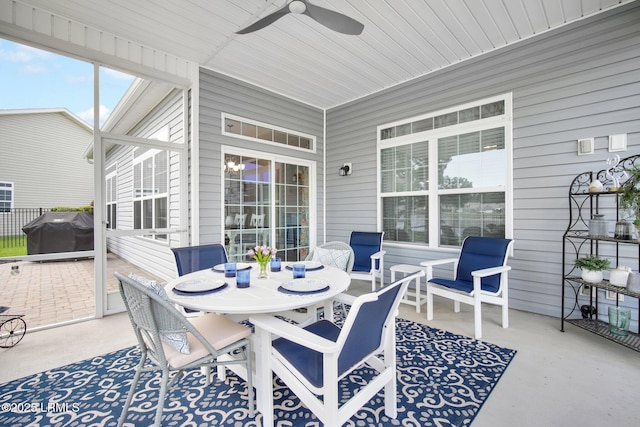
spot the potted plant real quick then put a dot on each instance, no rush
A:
(592, 267)
(630, 195)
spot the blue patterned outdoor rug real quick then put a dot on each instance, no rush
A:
(443, 380)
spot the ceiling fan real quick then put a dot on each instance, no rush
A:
(330, 19)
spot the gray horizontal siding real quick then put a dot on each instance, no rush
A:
(42, 156)
(222, 94)
(582, 81)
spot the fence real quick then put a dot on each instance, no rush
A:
(11, 223)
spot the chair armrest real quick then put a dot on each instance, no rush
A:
(378, 255)
(293, 333)
(490, 271)
(438, 262)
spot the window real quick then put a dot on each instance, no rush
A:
(444, 176)
(150, 190)
(239, 127)
(6, 196)
(112, 196)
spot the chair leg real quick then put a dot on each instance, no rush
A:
(163, 392)
(505, 306)
(132, 390)
(429, 304)
(477, 314)
(391, 388)
(247, 355)
(264, 377)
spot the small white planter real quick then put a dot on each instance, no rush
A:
(591, 276)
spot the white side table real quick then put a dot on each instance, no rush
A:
(418, 298)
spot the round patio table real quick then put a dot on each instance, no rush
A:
(263, 295)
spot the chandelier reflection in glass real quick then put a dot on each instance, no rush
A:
(231, 166)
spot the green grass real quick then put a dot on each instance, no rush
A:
(8, 248)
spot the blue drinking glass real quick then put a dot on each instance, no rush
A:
(275, 264)
(230, 269)
(243, 278)
(298, 271)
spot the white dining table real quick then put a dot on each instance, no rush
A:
(263, 295)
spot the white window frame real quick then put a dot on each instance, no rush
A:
(433, 194)
(226, 116)
(151, 153)
(9, 186)
(111, 179)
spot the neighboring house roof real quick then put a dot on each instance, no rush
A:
(60, 110)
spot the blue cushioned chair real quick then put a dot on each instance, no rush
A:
(194, 258)
(480, 275)
(312, 360)
(368, 263)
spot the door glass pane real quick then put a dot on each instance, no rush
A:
(292, 219)
(246, 223)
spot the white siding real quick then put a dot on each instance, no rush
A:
(582, 81)
(42, 156)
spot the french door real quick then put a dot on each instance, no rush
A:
(268, 200)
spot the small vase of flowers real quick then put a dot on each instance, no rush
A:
(262, 254)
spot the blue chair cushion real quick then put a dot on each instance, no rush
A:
(307, 361)
(363, 339)
(194, 258)
(364, 244)
(478, 253)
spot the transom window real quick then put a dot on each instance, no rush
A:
(444, 181)
(240, 127)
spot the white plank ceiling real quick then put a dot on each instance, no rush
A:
(303, 60)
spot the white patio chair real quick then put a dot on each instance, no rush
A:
(480, 275)
(312, 360)
(171, 343)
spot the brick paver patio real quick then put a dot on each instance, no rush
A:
(56, 291)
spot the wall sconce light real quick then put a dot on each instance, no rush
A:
(345, 170)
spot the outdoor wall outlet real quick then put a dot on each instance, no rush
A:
(611, 295)
(348, 165)
(585, 146)
(584, 290)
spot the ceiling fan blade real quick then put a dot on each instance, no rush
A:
(334, 20)
(269, 19)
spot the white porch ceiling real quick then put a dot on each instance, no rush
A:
(300, 59)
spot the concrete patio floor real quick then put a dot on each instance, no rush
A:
(556, 379)
(53, 292)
